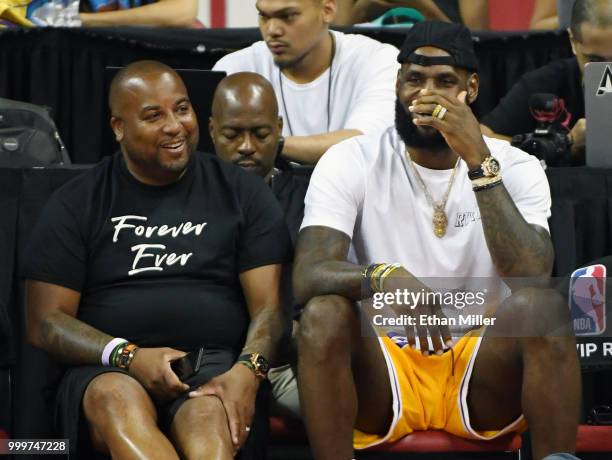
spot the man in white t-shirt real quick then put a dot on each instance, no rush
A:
(330, 86)
(428, 196)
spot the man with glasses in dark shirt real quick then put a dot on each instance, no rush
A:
(591, 38)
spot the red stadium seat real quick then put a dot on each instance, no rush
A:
(287, 430)
(291, 431)
(440, 441)
(594, 439)
(590, 439)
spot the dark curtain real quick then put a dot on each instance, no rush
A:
(581, 213)
(64, 68)
(34, 375)
(10, 187)
(504, 58)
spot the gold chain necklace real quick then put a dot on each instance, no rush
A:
(440, 221)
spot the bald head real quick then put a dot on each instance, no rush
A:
(597, 13)
(244, 90)
(153, 121)
(134, 75)
(244, 126)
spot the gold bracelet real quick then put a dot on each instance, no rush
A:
(390, 269)
(375, 276)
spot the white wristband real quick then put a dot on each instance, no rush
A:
(108, 349)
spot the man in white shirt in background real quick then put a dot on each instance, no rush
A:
(330, 86)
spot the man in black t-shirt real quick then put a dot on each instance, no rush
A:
(591, 38)
(246, 130)
(158, 250)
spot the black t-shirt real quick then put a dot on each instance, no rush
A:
(290, 191)
(561, 77)
(159, 265)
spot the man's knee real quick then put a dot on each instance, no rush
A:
(202, 411)
(327, 323)
(540, 320)
(532, 313)
(112, 396)
(200, 429)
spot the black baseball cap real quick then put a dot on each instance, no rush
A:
(453, 38)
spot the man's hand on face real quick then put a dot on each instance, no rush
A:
(237, 389)
(151, 367)
(400, 280)
(578, 137)
(459, 126)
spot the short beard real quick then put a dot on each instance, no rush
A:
(290, 64)
(412, 136)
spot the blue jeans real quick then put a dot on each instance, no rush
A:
(560, 457)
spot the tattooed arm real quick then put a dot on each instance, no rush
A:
(52, 325)
(320, 268)
(516, 247)
(320, 265)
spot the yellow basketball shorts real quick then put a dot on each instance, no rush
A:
(430, 393)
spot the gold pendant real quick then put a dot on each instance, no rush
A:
(440, 222)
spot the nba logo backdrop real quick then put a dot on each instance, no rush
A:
(587, 300)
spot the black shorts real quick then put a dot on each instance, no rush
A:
(71, 422)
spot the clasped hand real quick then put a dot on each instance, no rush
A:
(427, 315)
(151, 367)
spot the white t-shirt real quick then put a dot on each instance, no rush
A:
(362, 95)
(365, 188)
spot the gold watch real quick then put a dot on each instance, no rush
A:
(490, 167)
(257, 363)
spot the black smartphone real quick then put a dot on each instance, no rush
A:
(188, 365)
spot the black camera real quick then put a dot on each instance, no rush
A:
(550, 141)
